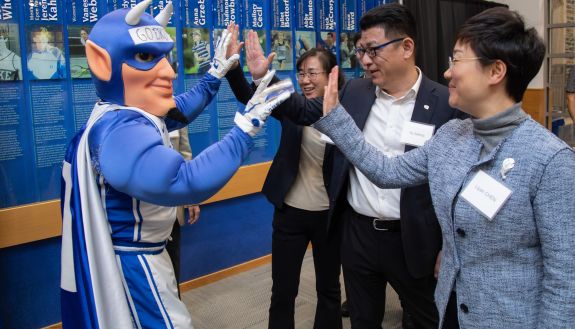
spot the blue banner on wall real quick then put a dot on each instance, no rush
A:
(46, 86)
(224, 13)
(80, 18)
(118, 4)
(347, 27)
(305, 35)
(256, 17)
(326, 36)
(281, 34)
(42, 48)
(15, 138)
(197, 53)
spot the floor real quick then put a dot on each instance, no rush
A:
(242, 301)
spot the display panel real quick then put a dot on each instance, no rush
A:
(47, 92)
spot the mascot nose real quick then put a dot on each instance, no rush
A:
(165, 70)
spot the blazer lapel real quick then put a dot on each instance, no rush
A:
(425, 104)
(363, 106)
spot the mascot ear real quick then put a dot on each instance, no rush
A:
(99, 61)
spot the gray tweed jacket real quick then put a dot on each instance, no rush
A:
(515, 271)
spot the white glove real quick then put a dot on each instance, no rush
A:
(220, 64)
(264, 100)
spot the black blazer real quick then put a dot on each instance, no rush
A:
(420, 231)
(285, 165)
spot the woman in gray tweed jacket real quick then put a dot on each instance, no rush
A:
(503, 190)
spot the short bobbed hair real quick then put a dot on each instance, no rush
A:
(500, 34)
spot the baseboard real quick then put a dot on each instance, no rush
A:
(219, 275)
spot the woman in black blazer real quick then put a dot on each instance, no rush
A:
(295, 186)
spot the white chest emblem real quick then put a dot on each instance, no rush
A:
(506, 167)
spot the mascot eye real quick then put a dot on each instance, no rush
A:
(145, 57)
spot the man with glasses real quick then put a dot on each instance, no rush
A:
(389, 235)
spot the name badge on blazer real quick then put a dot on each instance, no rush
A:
(415, 133)
(486, 194)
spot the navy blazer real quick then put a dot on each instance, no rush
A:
(420, 231)
(285, 165)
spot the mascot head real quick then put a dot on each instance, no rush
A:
(127, 53)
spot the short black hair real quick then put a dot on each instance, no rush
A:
(499, 33)
(356, 38)
(395, 19)
(327, 60)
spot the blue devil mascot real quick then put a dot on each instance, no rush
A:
(121, 179)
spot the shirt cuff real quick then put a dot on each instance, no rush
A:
(257, 81)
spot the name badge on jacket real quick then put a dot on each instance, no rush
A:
(486, 194)
(415, 133)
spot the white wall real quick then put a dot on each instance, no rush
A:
(533, 13)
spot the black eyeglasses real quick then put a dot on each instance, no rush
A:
(372, 51)
(311, 75)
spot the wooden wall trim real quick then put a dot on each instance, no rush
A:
(30, 223)
(248, 180)
(534, 104)
(37, 221)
